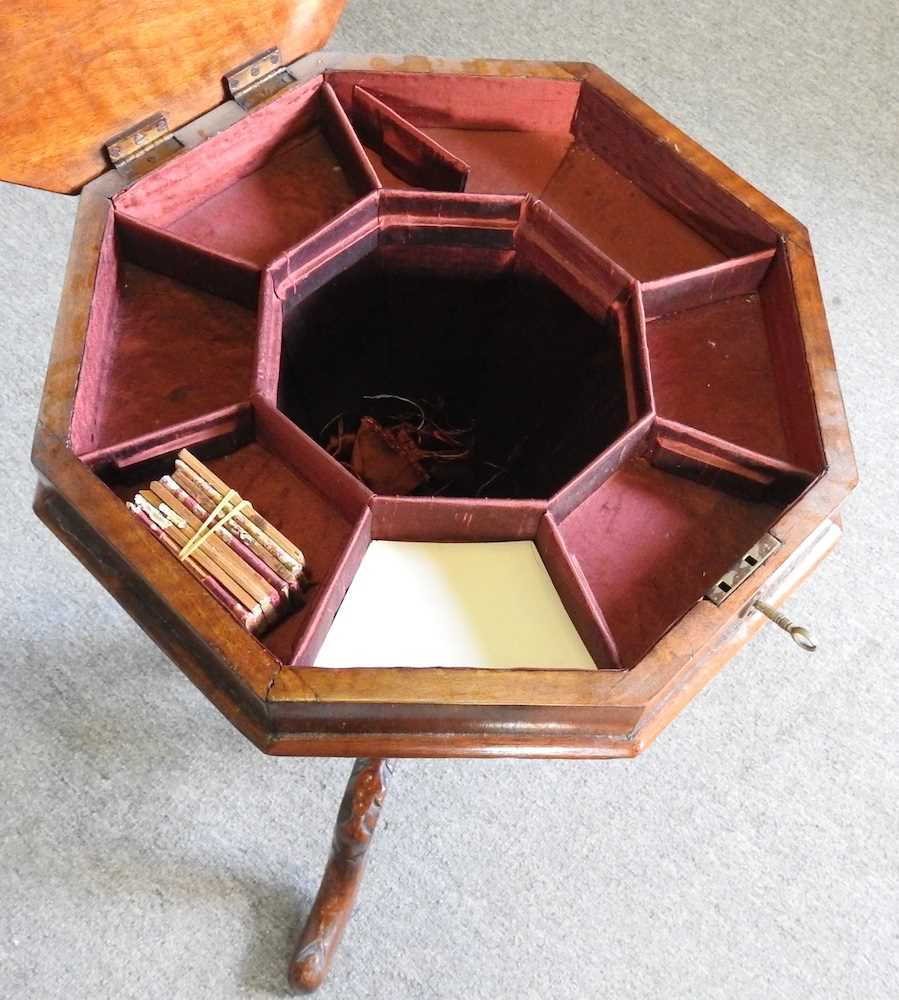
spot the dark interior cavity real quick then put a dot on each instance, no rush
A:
(538, 382)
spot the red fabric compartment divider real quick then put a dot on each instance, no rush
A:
(208, 270)
(435, 519)
(403, 149)
(548, 245)
(267, 361)
(628, 312)
(715, 462)
(634, 441)
(443, 218)
(344, 140)
(323, 606)
(232, 425)
(334, 248)
(281, 436)
(737, 276)
(575, 594)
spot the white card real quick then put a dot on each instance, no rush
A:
(453, 604)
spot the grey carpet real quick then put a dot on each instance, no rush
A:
(147, 851)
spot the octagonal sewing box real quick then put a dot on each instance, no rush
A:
(635, 334)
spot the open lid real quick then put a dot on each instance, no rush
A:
(75, 74)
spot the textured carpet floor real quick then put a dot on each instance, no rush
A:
(146, 850)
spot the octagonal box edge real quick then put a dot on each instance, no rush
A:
(519, 711)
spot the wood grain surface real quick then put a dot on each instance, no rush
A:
(357, 819)
(74, 74)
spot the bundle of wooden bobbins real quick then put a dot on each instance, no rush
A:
(239, 557)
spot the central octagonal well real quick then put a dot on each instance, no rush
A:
(435, 320)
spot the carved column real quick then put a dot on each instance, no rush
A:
(356, 822)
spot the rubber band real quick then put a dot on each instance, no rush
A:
(210, 524)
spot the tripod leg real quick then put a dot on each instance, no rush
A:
(356, 822)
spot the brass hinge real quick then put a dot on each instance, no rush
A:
(258, 80)
(765, 547)
(141, 148)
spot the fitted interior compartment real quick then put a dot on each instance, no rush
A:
(499, 348)
(711, 369)
(640, 196)
(401, 154)
(261, 185)
(511, 133)
(281, 476)
(649, 544)
(159, 352)
(623, 220)
(562, 141)
(734, 443)
(722, 360)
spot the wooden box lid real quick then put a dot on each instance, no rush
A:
(75, 74)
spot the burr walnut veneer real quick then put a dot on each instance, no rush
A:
(611, 305)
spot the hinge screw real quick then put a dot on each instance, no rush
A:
(797, 633)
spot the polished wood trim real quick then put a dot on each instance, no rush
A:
(691, 289)
(842, 474)
(540, 745)
(66, 352)
(455, 685)
(650, 695)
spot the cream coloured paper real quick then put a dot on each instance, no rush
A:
(453, 604)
